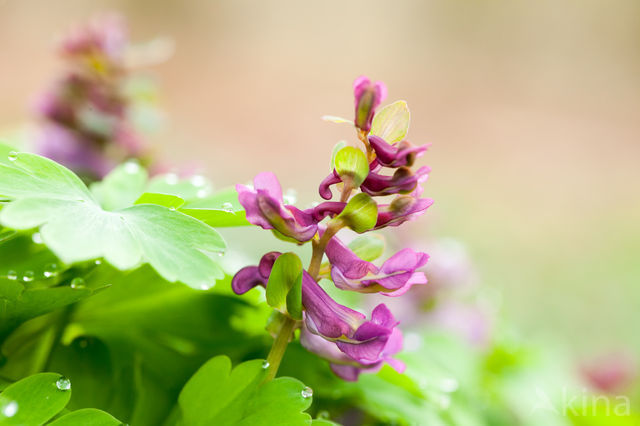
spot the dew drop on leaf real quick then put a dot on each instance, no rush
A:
(13, 156)
(265, 364)
(307, 392)
(28, 276)
(228, 207)
(10, 409)
(77, 283)
(98, 262)
(51, 270)
(36, 238)
(63, 384)
(12, 275)
(324, 414)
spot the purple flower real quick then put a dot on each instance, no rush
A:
(343, 363)
(252, 276)
(396, 275)
(265, 208)
(396, 155)
(402, 181)
(104, 36)
(368, 97)
(402, 209)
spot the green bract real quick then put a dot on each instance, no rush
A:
(352, 166)
(391, 123)
(77, 228)
(368, 247)
(218, 395)
(360, 213)
(284, 289)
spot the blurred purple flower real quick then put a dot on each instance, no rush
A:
(265, 208)
(368, 97)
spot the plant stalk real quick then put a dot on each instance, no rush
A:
(278, 348)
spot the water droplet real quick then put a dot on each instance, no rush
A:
(228, 207)
(202, 193)
(10, 409)
(198, 180)
(12, 275)
(63, 384)
(13, 156)
(77, 283)
(36, 237)
(131, 167)
(171, 178)
(449, 385)
(205, 286)
(324, 414)
(51, 270)
(98, 262)
(28, 276)
(307, 392)
(265, 364)
(220, 253)
(172, 208)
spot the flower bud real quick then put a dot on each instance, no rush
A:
(368, 97)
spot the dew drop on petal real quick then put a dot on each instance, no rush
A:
(13, 156)
(63, 384)
(12, 275)
(77, 283)
(36, 237)
(28, 276)
(307, 392)
(265, 364)
(10, 409)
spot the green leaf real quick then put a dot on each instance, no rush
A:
(217, 395)
(193, 188)
(76, 228)
(360, 213)
(218, 218)
(86, 417)
(285, 276)
(391, 123)
(121, 187)
(166, 200)
(368, 247)
(220, 209)
(352, 166)
(33, 400)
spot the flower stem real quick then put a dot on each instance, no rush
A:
(278, 348)
(318, 250)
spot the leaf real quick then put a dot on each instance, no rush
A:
(32, 400)
(352, 166)
(121, 187)
(391, 123)
(286, 275)
(368, 247)
(166, 200)
(86, 417)
(218, 218)
(76, 228)
(337, 147)
(220, 209)
(218, 395)
(360, 213)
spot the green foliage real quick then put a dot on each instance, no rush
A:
(391, 123)
(368, 247)
(36, 399)
(360, 213)
(216, 394)
(284, 289)
(76, 228)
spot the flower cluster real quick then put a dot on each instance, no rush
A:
(350, 341)
(85, 116)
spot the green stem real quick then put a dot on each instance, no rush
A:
(279, 347)
(318, 250)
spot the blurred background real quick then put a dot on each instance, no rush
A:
(532, 109)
